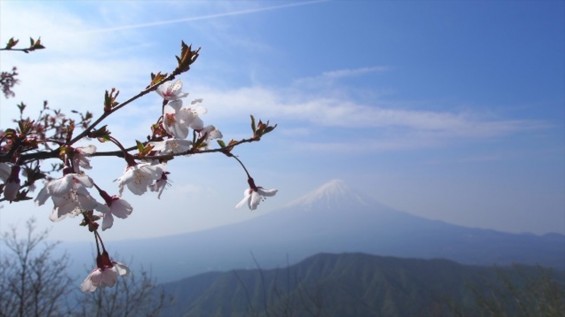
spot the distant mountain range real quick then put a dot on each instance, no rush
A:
(335, 219)
(357, 284)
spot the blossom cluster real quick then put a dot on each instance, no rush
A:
(178, 131)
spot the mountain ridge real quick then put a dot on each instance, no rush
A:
(320, 222)
(358, 284)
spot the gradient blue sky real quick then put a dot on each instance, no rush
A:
(447, 110)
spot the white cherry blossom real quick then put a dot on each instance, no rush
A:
(68, 182)
(171, 90)
(104, 275)
(80, 157)
(210, 132)
(139, 177)
(175, 122)
(173, 146)
(73, 203)
(253, 196)
(69, 195)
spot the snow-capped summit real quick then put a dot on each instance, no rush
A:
(331, 195)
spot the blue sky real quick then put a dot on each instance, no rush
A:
(447, 110)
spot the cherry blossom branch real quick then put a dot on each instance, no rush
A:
(39, 156)
(188, 56)
(119, 106)
(192, 151)
(30, 143)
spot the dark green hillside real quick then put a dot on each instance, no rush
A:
(365, 285)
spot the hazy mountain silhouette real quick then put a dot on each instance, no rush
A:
(335, 219)
(356, 284)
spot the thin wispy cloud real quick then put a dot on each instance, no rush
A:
(367, 145)
(202, 17)
(327, 112)
(332, 77)
(353, 72)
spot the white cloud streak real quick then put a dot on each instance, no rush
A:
(202, 17)
(329, 78)
(342, 73)
(349, 114)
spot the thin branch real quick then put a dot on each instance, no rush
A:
(36, 156)
(119, 106)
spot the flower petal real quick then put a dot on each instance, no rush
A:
(60, 186)
(242, 202)
(84, 179)
(197, 123)
(121, 208)
(175, 104)
(246, 196)
(42, 196)
(87, 285)
(108, 277)
(254, 200)
(107, 221)
(87, 150)
(137, 188)
(62, 208)
(120, 268)
(87, 202)
(267, 192)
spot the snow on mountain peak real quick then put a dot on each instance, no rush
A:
(332, 194)
(331, 188)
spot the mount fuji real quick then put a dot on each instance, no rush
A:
(335, 219)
